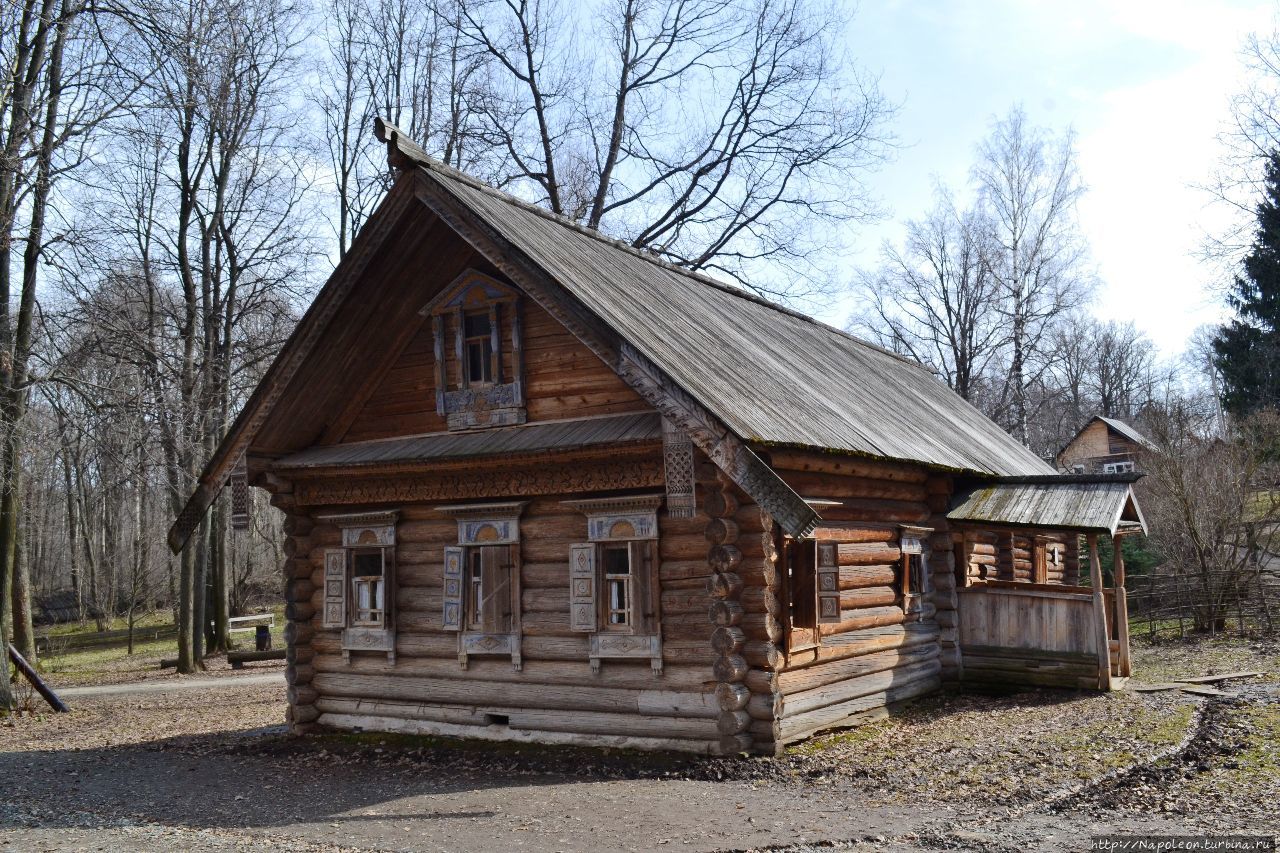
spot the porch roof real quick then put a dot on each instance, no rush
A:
(1101, 503)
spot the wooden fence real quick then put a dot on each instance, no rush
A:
(54, 644)
(1168, 606)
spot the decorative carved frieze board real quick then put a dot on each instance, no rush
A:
(677, 456)
(505, 482)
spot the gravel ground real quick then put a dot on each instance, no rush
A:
(211, 770)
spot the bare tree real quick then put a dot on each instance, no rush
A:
(58, 85)
(1211, 504)
(934, 299)
(723, 136)
(1029, 186)
(1247, 140)
(407, 62)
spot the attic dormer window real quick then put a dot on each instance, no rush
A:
(479, 361)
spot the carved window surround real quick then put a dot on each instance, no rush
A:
(917, 582)
(361, 531)
(620, 519)
(483, 526)
(465, 403)
(487, 524)
(610, 521)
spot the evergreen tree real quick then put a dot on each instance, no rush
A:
(1247, 349)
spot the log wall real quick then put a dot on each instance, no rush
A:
(555, 697)
(876, 655)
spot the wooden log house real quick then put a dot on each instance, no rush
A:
(1104, 446)
(543, 487)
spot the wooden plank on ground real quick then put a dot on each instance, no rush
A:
(1211, 679)
(1206, 691)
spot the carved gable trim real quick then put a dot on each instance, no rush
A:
(472, 287)
(728, 452)
(677, 456)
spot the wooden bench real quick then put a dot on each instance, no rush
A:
(251, 623)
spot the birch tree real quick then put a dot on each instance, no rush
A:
(1029, 185)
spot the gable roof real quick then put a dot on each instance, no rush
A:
(1128, 432)
(774, 376)
(732, 369)
(1114, 425)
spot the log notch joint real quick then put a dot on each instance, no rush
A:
(725, 588)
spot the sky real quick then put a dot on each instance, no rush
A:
(1146, 85)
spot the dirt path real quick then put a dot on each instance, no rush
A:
(193, 765)
(167, 796)
(230, 682)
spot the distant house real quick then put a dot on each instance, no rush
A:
(1104, 446)
(541, 486)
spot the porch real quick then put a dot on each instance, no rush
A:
(1023, 615)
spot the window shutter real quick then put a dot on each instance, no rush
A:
(828, 582)
(495, 578)
(389, 588)
(647, 593)
(453, 565)
(335, 588)
(582, 587)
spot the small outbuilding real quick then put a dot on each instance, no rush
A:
(540, 486)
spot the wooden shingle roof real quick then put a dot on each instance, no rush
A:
(1084, 503)
(734, 371)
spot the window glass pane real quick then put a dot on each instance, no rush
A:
(478, 365)
(476, 325)
(362, 593)
(917, 574)
(366, 564)
(618, 603)
(617, 561)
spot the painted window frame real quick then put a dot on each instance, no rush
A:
(493, 526)
(361, 533)
(915, 578)
(614, 523)
(496, 398)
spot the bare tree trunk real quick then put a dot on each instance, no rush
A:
(24, 635)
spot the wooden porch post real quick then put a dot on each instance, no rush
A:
(1099, 615)
(1122, 606)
